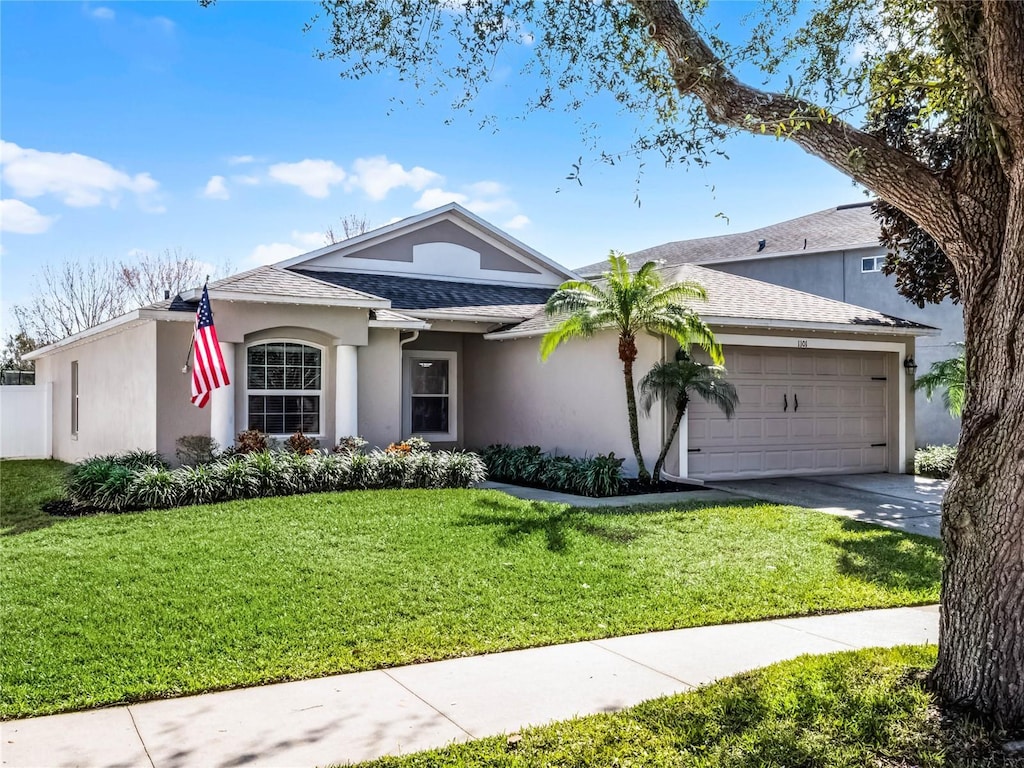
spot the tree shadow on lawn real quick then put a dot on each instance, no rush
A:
(888, 558)
(18, 523)
(515, 525)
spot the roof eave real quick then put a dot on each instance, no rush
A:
(136, 316)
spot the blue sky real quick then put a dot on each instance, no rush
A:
(144, 126)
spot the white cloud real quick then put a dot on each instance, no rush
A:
(241, 159)
(311, 240)
(23, 219)
(517, 222)
(435, 197)
(106, 14)
(377, 177)
(78, 180)
(271, 253)
(249, 181)
(487, 188)
(482, 197)
(216, 188)
(314, 177)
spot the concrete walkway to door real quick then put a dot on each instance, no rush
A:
(905, 502)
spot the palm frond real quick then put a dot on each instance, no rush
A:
(577, 326)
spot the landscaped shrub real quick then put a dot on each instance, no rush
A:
(106, 485)
(599, 475)
(154, 488)
(251, 441)
(350, 445)
(193, 450)
(103, 480)
(935, 460)
(301, 444)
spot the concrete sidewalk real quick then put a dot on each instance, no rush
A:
(349, 718)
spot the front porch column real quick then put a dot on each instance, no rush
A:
(346, 387)
(222, 402)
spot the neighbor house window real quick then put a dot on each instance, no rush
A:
(74, 398)
(285, 387)
(430, 387)
(872, 264)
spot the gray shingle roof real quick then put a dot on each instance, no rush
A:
(420, 293)
(824, 230)
(736, 298)
(274, 281)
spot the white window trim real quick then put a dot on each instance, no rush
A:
(879, 262)
(408, 358)
(273, 392)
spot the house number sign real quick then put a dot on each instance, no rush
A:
(801, 343)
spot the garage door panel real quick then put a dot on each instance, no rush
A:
(826, 365)
(802, 428)
(749, 428)
(801, 365)
(800, 411)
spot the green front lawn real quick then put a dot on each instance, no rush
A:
(111, 608)
(844, 710)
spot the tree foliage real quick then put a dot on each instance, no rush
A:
(950, 376)
(629, 304)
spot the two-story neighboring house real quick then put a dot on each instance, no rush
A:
(833, 253)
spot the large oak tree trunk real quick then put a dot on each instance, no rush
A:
(981, 630)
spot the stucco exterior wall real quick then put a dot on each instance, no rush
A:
(175, 415)
(117, 393)
(236, 320)
(838, 276)
(380, 388)
(572, 404)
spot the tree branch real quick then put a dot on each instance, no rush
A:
(894, 176)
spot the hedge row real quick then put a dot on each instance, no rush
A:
(599, 475)
(935, 461)
(143, 481)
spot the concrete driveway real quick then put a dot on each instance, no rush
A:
(906, 502)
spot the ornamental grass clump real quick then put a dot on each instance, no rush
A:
(155, 488)
(599, 475)
(143, 483)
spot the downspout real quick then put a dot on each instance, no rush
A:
(403, 342)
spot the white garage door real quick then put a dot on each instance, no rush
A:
(801, 412)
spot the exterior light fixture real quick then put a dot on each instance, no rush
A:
(910, 366)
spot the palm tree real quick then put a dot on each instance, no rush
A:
(950, 375)
(630, 304)
(678, 381)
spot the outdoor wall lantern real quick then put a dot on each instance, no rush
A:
(910, 365)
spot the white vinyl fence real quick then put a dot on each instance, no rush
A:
(26, 421)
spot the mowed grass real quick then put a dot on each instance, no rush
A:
(114, 608)
(845, 710)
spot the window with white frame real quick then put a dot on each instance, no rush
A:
(284, 387)
(430, 395)
(872, 263)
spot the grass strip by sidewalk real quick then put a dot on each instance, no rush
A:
(115, 608)
(843, 710)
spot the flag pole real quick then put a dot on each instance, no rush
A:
(192, 343)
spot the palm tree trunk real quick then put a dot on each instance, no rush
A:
(634, 428)
(681, 402)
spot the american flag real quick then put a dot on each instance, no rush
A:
(208, 369)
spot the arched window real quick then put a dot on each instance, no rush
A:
(284, 387)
